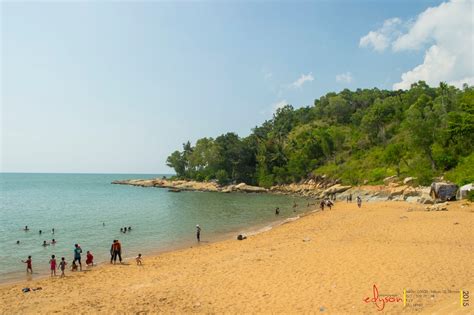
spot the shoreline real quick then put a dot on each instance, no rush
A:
(216, 238)
(323, 260)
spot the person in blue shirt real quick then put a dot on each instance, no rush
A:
(77, 255)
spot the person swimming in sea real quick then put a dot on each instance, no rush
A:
(40, 232)
(17, 242)
(53, 241)
(129, 228)
(45, 244)
(277, 211)
(26, 228)
(52, 230)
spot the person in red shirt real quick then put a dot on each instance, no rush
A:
(29, 268)
(89, 259)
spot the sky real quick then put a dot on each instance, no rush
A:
(115, 87)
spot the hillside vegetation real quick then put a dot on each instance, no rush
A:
(357, 136)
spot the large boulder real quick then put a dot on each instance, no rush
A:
(443, 191)
(338, 188)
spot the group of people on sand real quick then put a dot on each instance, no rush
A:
(115, 252)
(54, 265)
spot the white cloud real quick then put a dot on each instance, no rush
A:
(446, 34)
(279, 104)
(381, 38)
(344, 77)
(448, 28)
(302, 79)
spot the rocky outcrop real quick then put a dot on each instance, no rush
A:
(318, 187)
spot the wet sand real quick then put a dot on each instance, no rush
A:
(325, 262)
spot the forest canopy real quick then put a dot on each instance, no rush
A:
(357, 136)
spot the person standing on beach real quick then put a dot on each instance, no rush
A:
(198, 232)
(62, 266)
(28, 263)
(321, 205)
(359, 201)
(52, 264)
(77, 255)
(116, 250)
(277, 211)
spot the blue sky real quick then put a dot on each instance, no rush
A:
(116, 87)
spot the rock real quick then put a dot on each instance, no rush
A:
(413, 199)
(409, 180)
(391, 179)
(395, 192)
(247, 188)
(336, 189)
(241, 237)
(426, 199)
(443, 191)
(411, 192)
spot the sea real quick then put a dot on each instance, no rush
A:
(88, 210)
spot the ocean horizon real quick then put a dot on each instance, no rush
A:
(88, 210)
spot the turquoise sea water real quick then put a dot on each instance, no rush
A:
(77, 205)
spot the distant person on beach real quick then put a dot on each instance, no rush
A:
(52, 264)
(45, 244)
(329, 203)
(89, 259)
(350, 198)
(28, 263)
(62, 266)
(116, 251)
(139, 260)
(26, 228)
(359, 201)
(321, 205)
(77, 255)
(198, 232)
(294, 206)
(277, 211)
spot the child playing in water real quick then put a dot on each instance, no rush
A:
(52, 263)
(139, 260)
(62, 266)
(89, 259)
(29, 268)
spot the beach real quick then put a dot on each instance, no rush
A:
(324, 262)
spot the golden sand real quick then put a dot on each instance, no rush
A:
(326, 262)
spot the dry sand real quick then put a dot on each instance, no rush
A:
(326, 262)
